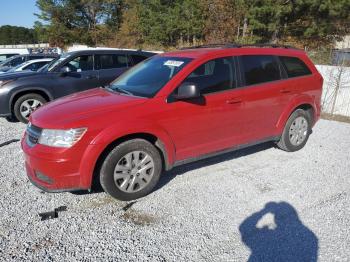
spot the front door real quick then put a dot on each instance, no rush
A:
(212, 122)
(80, 76)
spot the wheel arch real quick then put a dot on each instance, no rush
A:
(96, 153)
(306, 103)
(22, 92)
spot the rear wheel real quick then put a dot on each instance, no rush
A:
(26, 104)
(296, 131)
(131, 170)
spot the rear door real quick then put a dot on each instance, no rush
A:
(110, 66)
(266, 95)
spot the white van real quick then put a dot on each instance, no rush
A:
(6, 53)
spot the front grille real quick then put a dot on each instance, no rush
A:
(32, 135)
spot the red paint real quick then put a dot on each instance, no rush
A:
(186, 130)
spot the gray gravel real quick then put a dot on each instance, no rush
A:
(196, 212)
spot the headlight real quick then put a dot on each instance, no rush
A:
(61, 138)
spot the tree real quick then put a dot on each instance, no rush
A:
(84, 21)
(311, 21)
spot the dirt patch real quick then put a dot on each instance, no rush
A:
(339, 118)
(138, 218)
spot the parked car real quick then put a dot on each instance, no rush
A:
(20, 59)
(72, 72)
(172, 109)
(4, 57)
(31, 65)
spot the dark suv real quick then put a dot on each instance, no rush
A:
(20, 59)
(172, 109)
(72, 72)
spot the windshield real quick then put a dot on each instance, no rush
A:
(43, 68)
(56, 61)
(148, 77)
(13, 69)
(7, 62)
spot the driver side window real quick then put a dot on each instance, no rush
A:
(214, 76)
(81, 63)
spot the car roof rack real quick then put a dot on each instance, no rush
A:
(228, 45)
(234, 45)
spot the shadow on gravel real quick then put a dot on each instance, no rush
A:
(283, 238)
(9, 142)
(180, 170)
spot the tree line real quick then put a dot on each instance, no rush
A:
(10, 35)
(174, 23)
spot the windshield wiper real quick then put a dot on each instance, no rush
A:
(120, 90)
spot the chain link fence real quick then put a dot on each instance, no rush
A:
(334, 66)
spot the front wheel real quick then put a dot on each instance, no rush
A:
(296, 131)
(26, 104)
(131, 170)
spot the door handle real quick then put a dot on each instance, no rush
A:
(234, 101)
(285, 91)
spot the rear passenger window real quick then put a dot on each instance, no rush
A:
(138, 58)
(113, 61)
(260, 69)
(214, 76)
(294, 66)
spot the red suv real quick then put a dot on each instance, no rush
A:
(172, 109)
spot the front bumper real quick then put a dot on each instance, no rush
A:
(59, 166)
(4, 102)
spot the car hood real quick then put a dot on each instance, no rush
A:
(15, 75)
(84, 106)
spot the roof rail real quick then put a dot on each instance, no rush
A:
(234, 45)
(228, 45)
(269, 45)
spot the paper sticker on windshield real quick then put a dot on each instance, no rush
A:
(173, 63)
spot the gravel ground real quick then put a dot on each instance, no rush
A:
(199, 212)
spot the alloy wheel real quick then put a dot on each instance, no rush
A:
(134, 171)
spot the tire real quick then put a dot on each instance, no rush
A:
(11, 119)
(126, 168)
(19, 106)
(294, 138)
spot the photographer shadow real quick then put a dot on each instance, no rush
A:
(286, 239)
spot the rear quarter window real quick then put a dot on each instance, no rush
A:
(294, 66)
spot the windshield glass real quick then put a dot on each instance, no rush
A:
(56, 61)
(43, 68)
(7, 62)
(13, 69)
(148, 77)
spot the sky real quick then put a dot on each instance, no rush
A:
(18, 12)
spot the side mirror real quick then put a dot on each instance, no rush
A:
(186, 91)
(64, 71)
